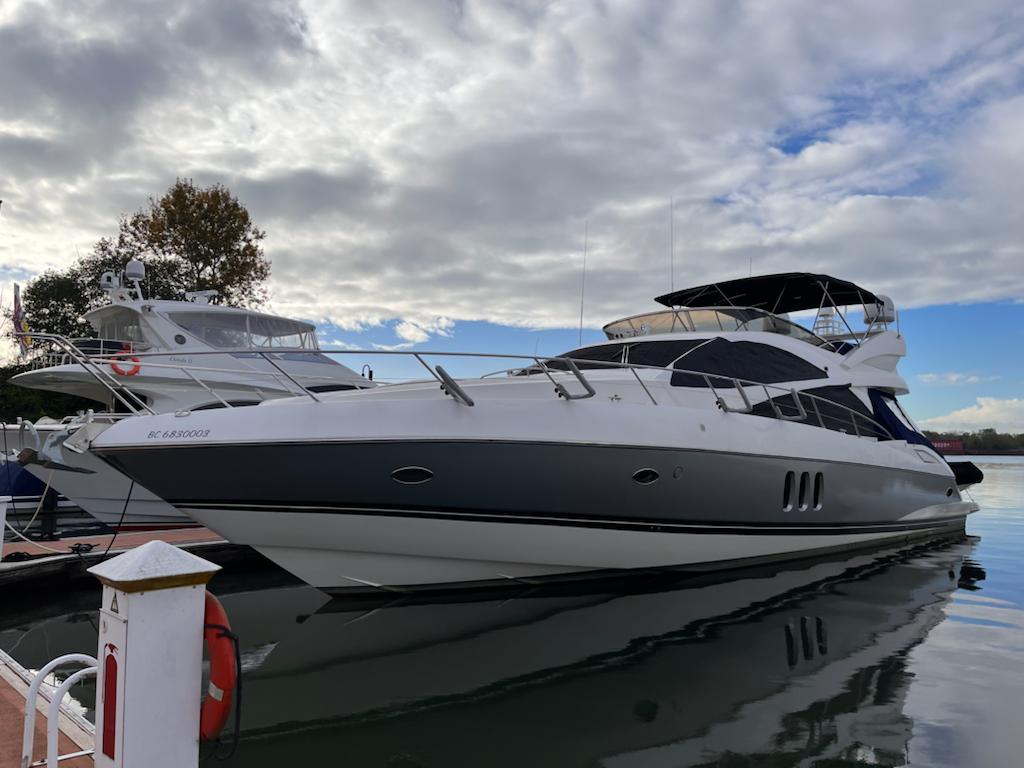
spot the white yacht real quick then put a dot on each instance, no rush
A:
(152, 357)
(711, 434)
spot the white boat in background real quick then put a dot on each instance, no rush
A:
(711, 434)
(152, 356)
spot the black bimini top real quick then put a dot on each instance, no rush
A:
(785, 292)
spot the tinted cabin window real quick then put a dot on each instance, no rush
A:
(742, 360)
(604, 353)
(660, 353)
(654, 353)
(826, 405)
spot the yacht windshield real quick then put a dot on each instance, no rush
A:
(120, 324)
(235, 330)
(717, 319)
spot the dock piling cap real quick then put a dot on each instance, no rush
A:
(154, 565)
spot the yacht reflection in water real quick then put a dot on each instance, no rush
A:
(794, 665)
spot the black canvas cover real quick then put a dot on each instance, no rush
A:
(966, 473)
(660, 353)
(747, 360)
(785, 292)
(655, 353)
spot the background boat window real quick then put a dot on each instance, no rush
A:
(120, 325)
(267, 331)
(230, 330)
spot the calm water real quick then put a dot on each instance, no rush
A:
(912, 657)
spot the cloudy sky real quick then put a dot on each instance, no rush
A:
(426, 170)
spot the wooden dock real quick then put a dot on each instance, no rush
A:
(64, 565)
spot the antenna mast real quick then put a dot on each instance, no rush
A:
(672, 243)
(583, 279)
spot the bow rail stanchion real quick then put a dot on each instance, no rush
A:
(452, 388)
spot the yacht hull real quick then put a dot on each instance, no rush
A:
(102, 491)
(339, 514)
(433, 553)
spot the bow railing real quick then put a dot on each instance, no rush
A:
(568, 380)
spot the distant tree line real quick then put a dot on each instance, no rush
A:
(190, 239)
(982, 441)
(33, 404)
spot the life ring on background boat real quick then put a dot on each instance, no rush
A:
(132, 369)
(220, 646)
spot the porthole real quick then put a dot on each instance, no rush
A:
(645, 476)
(412, 475)
(805, 481)
(949, 491)
(179, 339)
(787, 492)
(819, 490)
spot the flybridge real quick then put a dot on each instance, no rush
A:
(763, 304)
(778, 294)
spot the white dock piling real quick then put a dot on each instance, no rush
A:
(150, 657)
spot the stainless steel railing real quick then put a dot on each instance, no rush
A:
(568, 370)
(56, 354)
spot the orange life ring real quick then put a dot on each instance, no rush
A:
(220, 646)
(131, 370)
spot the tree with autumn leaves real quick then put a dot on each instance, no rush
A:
(191, 239)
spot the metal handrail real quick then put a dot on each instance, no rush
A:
(721, 402)
(540, 365)
(118, 390)
(53, 715)
(801, 412)
(29, 731)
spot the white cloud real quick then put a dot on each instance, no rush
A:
(1003, 415)
(951, 378)
(414, 160)
(411, 332)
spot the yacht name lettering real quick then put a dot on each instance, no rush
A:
(176, 434)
